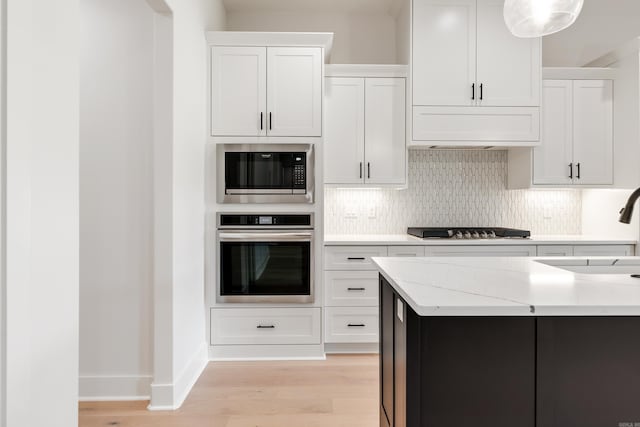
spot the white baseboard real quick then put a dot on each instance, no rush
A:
(114, 387)
(359, 348)
(171, 396)
(266, 352)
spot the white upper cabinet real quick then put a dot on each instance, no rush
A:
(593, 131)
(294, 91)
(238, 91)
(577, 138)
(365, 139)
(509, 69)
(552, 159)
(266, 91)
(444, 46)
(344, 137)
(385, 147)
(464, 59)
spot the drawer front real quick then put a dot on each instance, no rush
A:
(265, 326)
(476, 124)
(408, 251)
(352, 257)
(479, 251)
(555, 250)
(603, 250)
(351, 324)
(351, 288)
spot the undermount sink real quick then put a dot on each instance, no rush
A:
(596, 265)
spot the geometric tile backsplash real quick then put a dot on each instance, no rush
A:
(452, 188)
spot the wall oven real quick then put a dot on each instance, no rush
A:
(265, 258)
(265, 173)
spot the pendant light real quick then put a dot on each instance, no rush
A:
(537, 18)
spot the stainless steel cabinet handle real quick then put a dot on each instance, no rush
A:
(356, 325)
(265, 327)
(355, 289)
(265, 237)
(570, 170)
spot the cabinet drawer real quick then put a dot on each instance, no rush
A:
(476, 124)
(265, 326)
(408, 251)
(603, 250)
(352, 257)
(351, 288)
(351, 324)
(498, 251)
(555, 250)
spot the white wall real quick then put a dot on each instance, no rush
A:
(359, 38)
(42, 214)
(600, 213)
(602, 26)
(186, 341)
(116, 218)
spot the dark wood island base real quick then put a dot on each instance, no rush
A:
(506, 371)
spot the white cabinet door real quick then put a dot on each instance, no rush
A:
(593, 131)
(352, 257)
(351, 324)
(509, 68)
(405, 251)
(444, 52)
(294, 91)
(238, 91)
(603, 250)
(385, 146)
(481, 251)
(552, 159)
(555, 250)
(344, 131)
(351, 288)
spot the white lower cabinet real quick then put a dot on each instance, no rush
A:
(604, 250)
(351, 288)
(352, 257)
(555, 250)
(351, 324)
(480, 251)
(265, 325)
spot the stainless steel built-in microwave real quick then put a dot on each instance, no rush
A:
(265, 173)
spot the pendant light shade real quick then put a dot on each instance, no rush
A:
(537, 18)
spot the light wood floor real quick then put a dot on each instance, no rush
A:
(339, 392)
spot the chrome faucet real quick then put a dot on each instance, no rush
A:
(627, 212)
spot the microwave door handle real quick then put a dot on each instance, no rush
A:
(265, 237)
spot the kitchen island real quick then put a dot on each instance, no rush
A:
(491, 342)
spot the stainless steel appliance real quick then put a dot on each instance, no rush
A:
(467, 233)
(265, 258)
(265, 173)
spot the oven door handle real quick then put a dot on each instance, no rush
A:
(266, 237)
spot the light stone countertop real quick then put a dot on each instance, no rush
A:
(405, 239)
(502, 286)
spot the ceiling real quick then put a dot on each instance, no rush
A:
(334, 6)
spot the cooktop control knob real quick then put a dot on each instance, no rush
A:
(484, 235)
(492, 234)
(467, 235)
(458, 235)
(475, 234)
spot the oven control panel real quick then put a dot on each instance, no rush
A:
(280, 220)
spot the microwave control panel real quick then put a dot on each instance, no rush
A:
(299, 172)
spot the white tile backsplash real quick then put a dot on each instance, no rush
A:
(452, 188)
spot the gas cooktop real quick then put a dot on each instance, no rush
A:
(467, 233)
